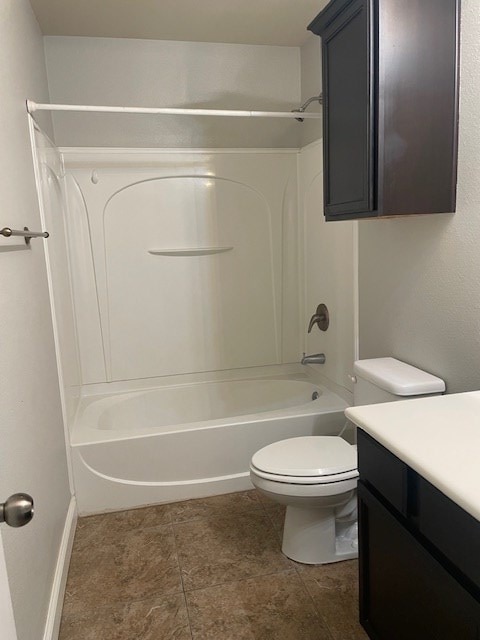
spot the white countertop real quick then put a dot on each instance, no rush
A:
(439, 437)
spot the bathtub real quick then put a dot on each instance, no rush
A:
(178, 442)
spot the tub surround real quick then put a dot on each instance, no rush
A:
(437, 437)
(197, 356)
(187, 204)
(189, 342)
(297, 248)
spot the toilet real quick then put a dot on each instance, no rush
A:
(316, 476)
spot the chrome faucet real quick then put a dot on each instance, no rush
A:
(317, 358)
(320, 318)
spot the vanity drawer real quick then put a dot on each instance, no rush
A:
(450, 529)
(383, 471)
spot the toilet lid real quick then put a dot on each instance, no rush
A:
(307, 456)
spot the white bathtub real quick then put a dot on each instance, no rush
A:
(186, 441)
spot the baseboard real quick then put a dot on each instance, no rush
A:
(54, 615)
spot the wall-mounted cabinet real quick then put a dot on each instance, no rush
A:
(390, 88)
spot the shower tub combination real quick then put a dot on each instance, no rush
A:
(172, 443)
(180, 382)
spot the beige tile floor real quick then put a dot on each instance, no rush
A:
(206, 569)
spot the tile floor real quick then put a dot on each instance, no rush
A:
(206, 569)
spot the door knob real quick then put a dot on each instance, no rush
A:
(18, 510)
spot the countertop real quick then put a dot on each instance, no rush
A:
(439, 437)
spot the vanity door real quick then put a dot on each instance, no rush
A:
(405, 593)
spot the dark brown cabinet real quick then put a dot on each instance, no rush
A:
(390, 95)
(419, 561)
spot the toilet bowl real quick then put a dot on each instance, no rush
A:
(316, 476)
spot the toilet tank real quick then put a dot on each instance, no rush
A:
(387, 379)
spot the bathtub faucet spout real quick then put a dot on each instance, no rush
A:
(317, 358)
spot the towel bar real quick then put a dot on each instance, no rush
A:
(26, 233)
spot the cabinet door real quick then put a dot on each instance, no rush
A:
(347, 49)
(405, 593)
(451, 530)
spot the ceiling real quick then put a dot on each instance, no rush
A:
(268, 22)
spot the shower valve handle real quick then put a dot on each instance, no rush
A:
(321, 318)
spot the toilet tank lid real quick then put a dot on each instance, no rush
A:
(397, 377)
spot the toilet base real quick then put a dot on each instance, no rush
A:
(315, 536)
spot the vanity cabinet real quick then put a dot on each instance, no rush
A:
(390, 106)
(419, 554)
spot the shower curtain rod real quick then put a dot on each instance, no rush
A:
(34, 106)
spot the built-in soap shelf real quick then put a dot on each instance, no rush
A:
(189, 251)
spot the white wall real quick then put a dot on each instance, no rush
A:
(420, 277)
(114, 71)
(32, 447)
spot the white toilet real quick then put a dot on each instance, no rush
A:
(316, 476)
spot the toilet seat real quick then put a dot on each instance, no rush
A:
(307, 460)
(312, 480)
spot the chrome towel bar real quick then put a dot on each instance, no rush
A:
(26, 233)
